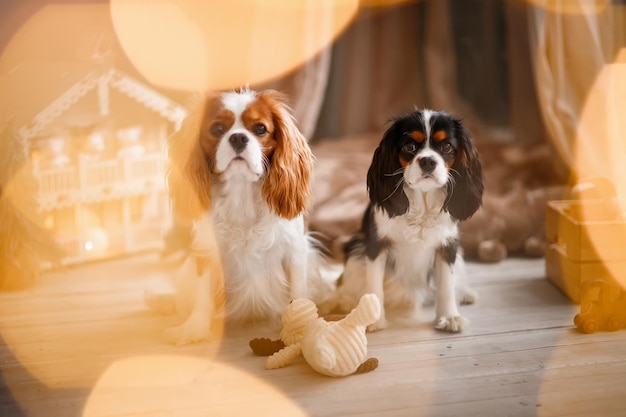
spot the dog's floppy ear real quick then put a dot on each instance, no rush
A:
(188, 178)
(385, 175)
(465, 187)
(287, 188)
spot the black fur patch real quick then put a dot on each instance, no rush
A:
(366, 242)
(384, 177)
(448, 251)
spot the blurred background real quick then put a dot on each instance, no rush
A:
(90, 90)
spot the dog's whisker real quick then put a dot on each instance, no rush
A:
(410, 235)
(266, 163)
(397, 172)
(452, 181)
(394, 190)
(243, 248)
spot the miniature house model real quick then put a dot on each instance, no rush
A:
(99, 155)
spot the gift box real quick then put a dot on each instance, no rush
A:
(586, 240)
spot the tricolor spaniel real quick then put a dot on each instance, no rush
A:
(241, 168)
(425, 177)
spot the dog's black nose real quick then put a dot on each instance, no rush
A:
(427, 164)
(238, 141)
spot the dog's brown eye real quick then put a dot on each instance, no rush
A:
(217, 129)
(446, 148)
(259, 129)
(409, 147)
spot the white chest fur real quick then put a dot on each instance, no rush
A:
(416, 235)
(255, 247)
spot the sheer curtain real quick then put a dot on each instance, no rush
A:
(579, 61)
(468, 57)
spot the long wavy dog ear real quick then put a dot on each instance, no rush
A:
(287, 187)
(385, 175)
(465, 187)
(188, 178)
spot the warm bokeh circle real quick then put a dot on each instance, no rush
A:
(197, 45)
(599, 151)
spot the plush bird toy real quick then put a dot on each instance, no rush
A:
(333, 348)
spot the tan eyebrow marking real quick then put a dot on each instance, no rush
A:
(439, 136)
(418, 136)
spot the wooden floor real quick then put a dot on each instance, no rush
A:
(82, 344)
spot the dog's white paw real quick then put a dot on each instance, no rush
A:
(160, 303)
(379, 324)
(451, 324)
(192, 331)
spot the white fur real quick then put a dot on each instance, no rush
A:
(197, 296)
(415, 236)
(427, 114)
(267, 260)
(252, 166)
(265, 257)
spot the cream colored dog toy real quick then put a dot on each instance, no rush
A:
(333, 348)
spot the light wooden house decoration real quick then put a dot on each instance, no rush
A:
(98, 153)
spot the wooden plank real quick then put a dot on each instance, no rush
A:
(520, 356)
